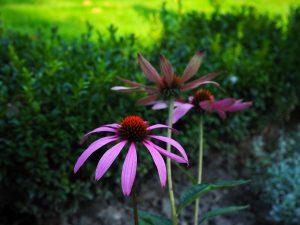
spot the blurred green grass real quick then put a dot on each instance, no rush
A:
(129, 16)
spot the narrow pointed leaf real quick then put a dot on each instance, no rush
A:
(221, 211)
(196, 191)
(146, 218)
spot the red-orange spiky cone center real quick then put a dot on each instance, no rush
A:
(201, 95)
(133, 128)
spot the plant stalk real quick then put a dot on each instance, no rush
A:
(169, 168)
(200, 162)
(135, 205)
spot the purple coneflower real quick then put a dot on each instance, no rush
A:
(169, 85)
(131, 130)
(205, 101)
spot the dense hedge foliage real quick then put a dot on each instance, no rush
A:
(53, 91)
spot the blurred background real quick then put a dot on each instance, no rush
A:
(58, 61)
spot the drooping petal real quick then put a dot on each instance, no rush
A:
(194, 85)
(103, 128)
(91, 149)
(113, 125)
(210, 76)
(181, 110)
(157, 105)
(201, 81)
(193, 66)
(173, 143)
(129, 82)
(166, 69)
(223, 104)
(108, 158)
(159, 163)
(148, 100)
(127, 89)
(149, 70)
(156, 126)
(160, 105)
(164, 152)
(151, 89)
(239, 105)
(129, 170)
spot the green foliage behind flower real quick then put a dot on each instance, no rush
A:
(52, 91)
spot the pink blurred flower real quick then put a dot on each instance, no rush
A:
(203, 100)
(169, 84)
(130, 131)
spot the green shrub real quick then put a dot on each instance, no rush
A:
(277, 179)
(52, 91)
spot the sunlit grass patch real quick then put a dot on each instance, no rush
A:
(131, 16)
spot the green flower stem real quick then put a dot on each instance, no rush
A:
(169, 169)
(200, 161)
(135, 205)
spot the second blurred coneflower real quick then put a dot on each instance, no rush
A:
(169, 85)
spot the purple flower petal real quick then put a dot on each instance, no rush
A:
(126, 89)
(149, 70)
(159, 163)
(129, 82)
(91, 149)
(173, 143)
(113, 125)
(129, 170)
(239, 105)
(156, 126)
(103, 128)
(181, 110)
(157, 105)
(148, 100)
(223, 104)
(160, 105)
(210, 76)
(152, 90)
(166, 69)
(165, 152)
(193, 66)
(108, 158)
(203, 80)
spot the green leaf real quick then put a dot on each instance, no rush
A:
(220, 211)
(196, 191)
(146, 218)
